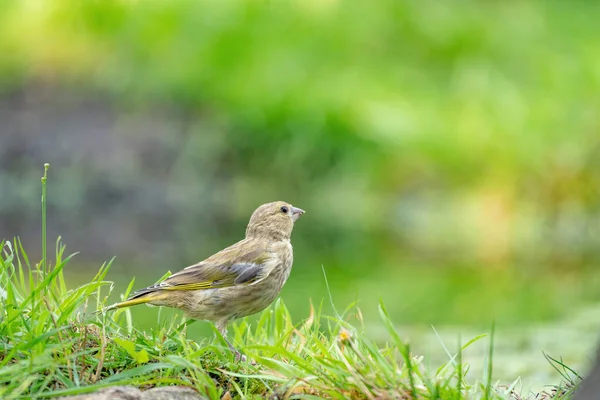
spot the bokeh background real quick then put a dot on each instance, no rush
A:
(448, 155)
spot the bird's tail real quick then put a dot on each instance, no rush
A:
(140, 297)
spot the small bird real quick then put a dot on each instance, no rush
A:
(238, 281)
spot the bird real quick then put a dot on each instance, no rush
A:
(238, 281)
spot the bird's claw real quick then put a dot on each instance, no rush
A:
(239, 357)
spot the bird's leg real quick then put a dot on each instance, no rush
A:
(222, 327)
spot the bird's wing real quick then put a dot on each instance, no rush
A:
(241, 264)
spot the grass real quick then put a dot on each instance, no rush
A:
(54, 344)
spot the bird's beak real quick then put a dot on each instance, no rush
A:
(296, 213)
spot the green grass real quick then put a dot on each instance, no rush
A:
(54, 344)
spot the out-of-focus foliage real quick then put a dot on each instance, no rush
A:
(462, 133)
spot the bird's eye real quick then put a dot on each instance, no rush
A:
(284, 209)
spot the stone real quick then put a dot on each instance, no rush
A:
(132, 393)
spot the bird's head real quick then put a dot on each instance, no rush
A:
(273, 221)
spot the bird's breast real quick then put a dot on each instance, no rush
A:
(282, 262)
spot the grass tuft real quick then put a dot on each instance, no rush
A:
(53, 344)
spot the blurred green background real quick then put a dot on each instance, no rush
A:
(448, 155)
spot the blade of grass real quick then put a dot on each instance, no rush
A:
(44, 206)
(488, 378)
(459, 371)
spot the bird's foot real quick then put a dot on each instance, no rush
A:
(239, 357)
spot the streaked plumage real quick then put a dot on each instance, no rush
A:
(238, 281)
